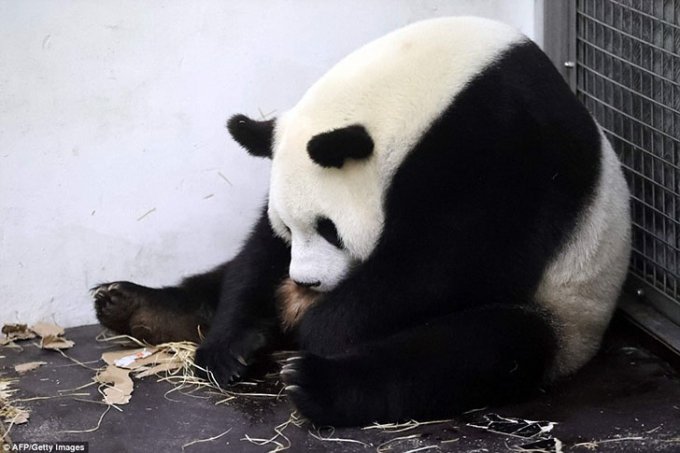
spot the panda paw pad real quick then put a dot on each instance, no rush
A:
(115, 303)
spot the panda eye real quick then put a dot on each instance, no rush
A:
(326, 229)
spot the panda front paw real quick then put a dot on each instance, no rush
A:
(321, 390)
(226, 362)
(115, 303)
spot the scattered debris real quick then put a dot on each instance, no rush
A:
(293, 419)
(146, 214)
(127, 358)
(225, 178)
(173, 362)
(329, 437)
(544, 445)
(56, 343)
(513, 426)
(118, 384)
(9, 412)
(115, 377)
(427, 447)
(653, 430)
(52, 336)
(43, 329)
(28, 366)
(265, 116)
(209, 439)
(90, 430)
(388, 445)
(524, 429)
(406, 426)
(16, 332)
(593, 444)
(5, 440)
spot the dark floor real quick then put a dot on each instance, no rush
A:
(626, 400)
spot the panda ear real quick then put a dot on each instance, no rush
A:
(255, 136)
(331, 149)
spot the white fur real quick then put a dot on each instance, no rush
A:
(395, 87)
(317, 260)
(582, 284)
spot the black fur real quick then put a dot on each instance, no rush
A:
(246, 319)
(327, 230)
(255, 136)
(331, 149)
(431, 370)
(440, 318)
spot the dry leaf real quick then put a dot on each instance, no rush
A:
(9, 413)
(19, 417)
(52, 336)
(17, 332)
(120, 384)
(44, 329)
(29, 366)
(160, 361)
(54, 342)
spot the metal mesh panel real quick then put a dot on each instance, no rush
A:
(628, 74)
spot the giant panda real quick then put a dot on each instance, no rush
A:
(446, 228)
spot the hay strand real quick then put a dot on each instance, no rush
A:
(330, 438)
(91, 430)
(406, 426)
(209, 439)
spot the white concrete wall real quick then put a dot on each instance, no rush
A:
(114, 160)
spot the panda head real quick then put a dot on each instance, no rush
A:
(324, 194)
(335, 153)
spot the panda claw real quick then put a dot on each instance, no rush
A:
(292, 388)
(293, 359)
(241, 360)
(287, 373)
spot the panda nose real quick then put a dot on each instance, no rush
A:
(308, 284)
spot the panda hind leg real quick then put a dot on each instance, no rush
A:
(158, 315)
(471, 359)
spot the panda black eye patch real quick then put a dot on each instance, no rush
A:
(332, 148)
(327, 230)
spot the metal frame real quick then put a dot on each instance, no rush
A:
(559, 37)
(652, 295)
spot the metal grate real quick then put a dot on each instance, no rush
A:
(628, 75)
